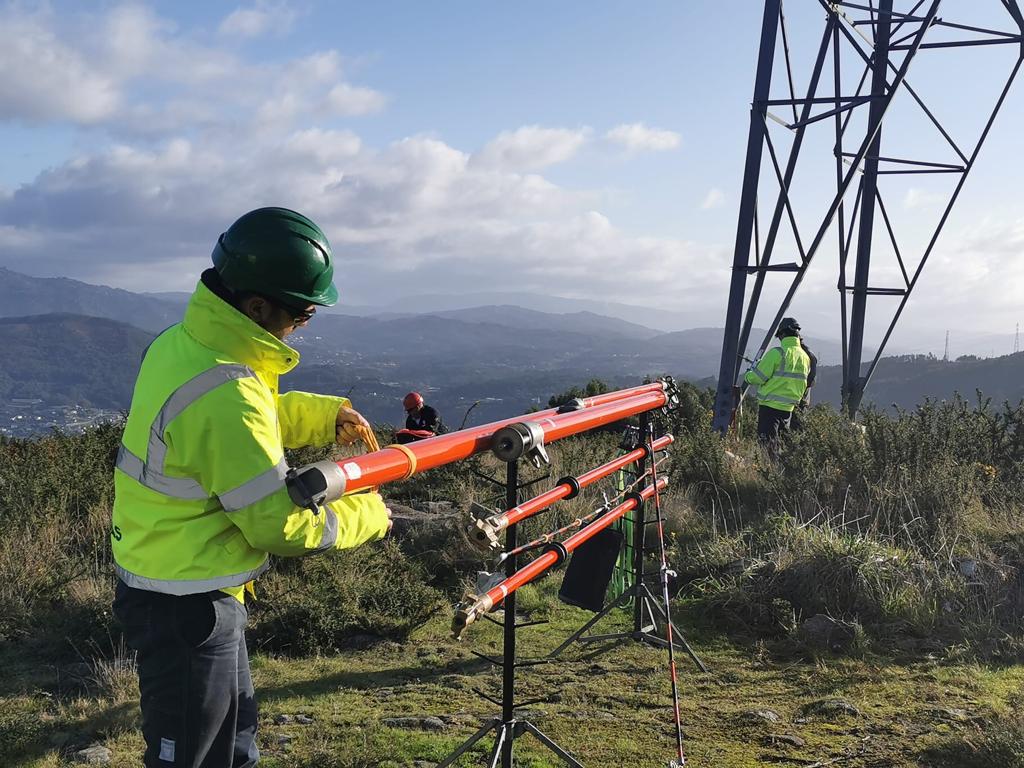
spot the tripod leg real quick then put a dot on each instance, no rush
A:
(547, 742)
(498, 744)
(470, 742)
(677, 635)
(624, 597)
(652, 624)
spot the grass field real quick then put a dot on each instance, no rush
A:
(608, 706)
(907, 529)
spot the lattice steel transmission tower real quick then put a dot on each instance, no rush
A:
(863, 61)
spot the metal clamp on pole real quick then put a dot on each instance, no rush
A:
(484, 533)
(524, 438)
(560, 551)
(316, 484)
(576, 404)
(671, 393)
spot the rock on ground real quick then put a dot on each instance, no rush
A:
(775, 739)
(762, 715)
(824, 633)
(94, 755)
(830, 708)
(426, 723)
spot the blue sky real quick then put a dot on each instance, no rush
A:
(578, 149)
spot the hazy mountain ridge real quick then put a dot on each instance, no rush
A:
(507, 357)
(70, 359)
(22, 296)
(906, 380)
(514, 316)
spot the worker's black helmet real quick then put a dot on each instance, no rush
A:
(788, 327)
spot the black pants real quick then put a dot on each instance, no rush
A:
(796, 421)
(771, 423)
(198, 705)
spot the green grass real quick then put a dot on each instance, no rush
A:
(610, 706)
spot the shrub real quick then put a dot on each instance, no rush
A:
(1000, 744)
(314, 605)
(593, 387)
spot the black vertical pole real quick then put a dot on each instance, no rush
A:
(725, 400)
(853, 387)
(508, 669)
(639, 529)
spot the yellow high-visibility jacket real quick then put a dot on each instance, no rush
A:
(200, 497)
(781, 375)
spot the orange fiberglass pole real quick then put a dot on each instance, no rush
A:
(478, 605)
(485, 532)
(400, 462)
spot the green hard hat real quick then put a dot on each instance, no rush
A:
(278, 253)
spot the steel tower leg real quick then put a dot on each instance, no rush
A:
(725, 399)
(853, 386)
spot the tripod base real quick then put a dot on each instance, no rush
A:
(645, 633)
(506, 733)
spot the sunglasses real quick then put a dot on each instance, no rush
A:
(298, 316)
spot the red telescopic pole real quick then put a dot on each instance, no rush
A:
(665, 573)
(484, 533)
(400, 462)
(476, 606)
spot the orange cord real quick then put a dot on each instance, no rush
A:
(409, 455)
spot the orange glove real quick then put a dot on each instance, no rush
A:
(346, 424)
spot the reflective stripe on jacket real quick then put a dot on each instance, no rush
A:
(781, 375)
(200, 497)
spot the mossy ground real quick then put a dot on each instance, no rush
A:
(608, 706)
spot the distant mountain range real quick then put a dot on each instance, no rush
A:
(508, 357)
(70, 359)
(21, 295)
(512, 316)
(432, 304)
(906, 380)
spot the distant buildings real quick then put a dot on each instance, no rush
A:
(31, 417)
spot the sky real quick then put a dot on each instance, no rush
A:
(578, 149)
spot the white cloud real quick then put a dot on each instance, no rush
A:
(81, 70)
(323, 146)
(196, 135)
(916, 199)
(637, 137)
(715, 198)
(258, 20)
(532, 148)
(418, 212)
(42, 78)
(345, 99)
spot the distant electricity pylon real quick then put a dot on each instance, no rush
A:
(1016, 340)
(863, 61)
(945, 354)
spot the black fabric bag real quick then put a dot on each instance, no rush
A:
(590, 571)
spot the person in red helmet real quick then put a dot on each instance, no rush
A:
(420, 417)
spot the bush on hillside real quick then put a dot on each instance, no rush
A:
(592, 387)
(315, 605)
(910, 520)
(994, 744)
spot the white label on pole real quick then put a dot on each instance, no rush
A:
(352, 470)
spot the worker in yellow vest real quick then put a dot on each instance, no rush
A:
(781, 380)
(204, 495)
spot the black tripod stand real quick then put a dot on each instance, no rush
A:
(646, 605)
(508, 727)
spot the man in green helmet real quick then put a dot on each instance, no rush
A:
(203, 494)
